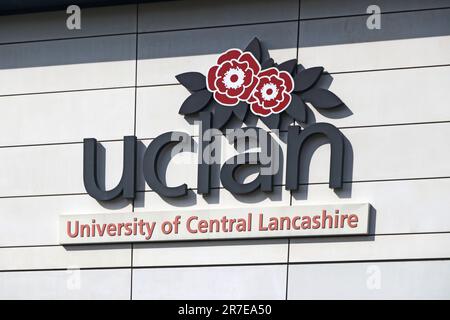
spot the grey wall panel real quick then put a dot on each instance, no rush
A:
(163, 55)
(388, 280)
(52, 25)
(71, 64)
(408, 39)
(311, 9)
(244, 282)
(203, 13)
(68, 284)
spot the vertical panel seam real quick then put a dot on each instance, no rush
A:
(298, 29)
(134, 132)
(290, 192)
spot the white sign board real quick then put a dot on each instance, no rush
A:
(208, 224)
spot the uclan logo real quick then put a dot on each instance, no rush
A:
(243, 86)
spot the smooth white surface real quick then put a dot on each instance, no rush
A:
(389, 97)
(408, 206)
(243, 282)
(68, 284)
(53, 169)
(66, 117)
(210, 253)
(385, 280)
(389, 247)
(59, 257)
(157, 111)
(219, 198)
(34, 220)
(397, 152)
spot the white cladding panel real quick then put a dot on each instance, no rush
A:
(243, 282)
(386, 280)
(67, 284)
(59, 86)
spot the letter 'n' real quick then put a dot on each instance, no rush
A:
(126, 186)
(296, 140)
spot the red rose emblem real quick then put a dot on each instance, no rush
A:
(272, 93)
(234, 77)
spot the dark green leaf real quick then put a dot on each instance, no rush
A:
(305, 79)
(288, 66)
(195, 102)
(240, 111)
(267, 64)
(321, 98)
(297, 109)
(254, 47)
(222, 115)
(193, 81)
(272, 121)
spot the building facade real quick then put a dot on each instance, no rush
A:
(115, 77)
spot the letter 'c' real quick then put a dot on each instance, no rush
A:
(150, 163)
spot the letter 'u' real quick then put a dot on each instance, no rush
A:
(126, 186)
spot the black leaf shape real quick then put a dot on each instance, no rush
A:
(267, 64)
(193, 81)
(272, 121)
(305, 79)
(240, 110)
(195, 102)
(288, 66)
(321, 98)
(221, 116)
(297, 109)
(254, 47)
